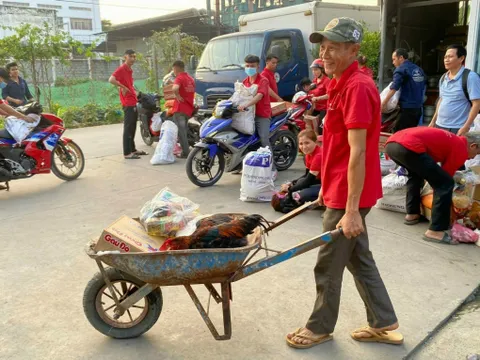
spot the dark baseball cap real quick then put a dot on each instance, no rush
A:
(341, 29)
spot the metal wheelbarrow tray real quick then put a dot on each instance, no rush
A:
(140, 276)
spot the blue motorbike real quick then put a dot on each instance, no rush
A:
(222, 148)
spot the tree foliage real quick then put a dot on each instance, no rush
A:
(371, 49)
(35, 47)
(167, 46)
(106, 24)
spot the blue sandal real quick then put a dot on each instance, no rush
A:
(446, 239)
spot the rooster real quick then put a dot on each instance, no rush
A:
(227, 235)
(216, 219)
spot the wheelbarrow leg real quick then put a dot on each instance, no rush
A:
(227, 320)
(227, 325)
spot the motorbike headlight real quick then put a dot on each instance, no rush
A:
(198, 100)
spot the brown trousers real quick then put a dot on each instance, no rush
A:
(356, 256)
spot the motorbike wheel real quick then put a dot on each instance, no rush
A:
(146, 136)
(99, 306)
(68, 161)
(285, 149)
(199, 164)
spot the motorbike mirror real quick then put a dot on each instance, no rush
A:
(297, 88)
(193, 62)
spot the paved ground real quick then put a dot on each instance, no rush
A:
(43, 271)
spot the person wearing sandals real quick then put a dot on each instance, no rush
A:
(419, 150)
(351, 186)
(123, 79)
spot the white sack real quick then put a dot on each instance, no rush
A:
(393, 102)
(257, 182)
(244, 121)
(164, 150)
(394, 193)
(18, 128)
(156, 122)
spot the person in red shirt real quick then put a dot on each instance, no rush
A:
(123, 79)
(351, 185)
(419, 150)
(269, 73)
(362, 66)
(184, 90)
(307, 187)
(263, 109)
(319, 93)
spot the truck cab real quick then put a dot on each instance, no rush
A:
(222, 63)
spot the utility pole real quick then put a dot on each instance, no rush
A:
(217, 17)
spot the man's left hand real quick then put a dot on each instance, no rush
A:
(351, 224)
(463, 131)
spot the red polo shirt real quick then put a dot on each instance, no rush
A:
(263, 107)
(187, 92)
(124, 75)
(320, 89)
(366, 70)
(313, 161)
(270, 76)
(444, 147)
(353, 104)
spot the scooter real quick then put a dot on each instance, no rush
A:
(222, 148)
(147, 106)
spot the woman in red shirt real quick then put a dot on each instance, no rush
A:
(362, 66)
(319, 93)
(307, 187)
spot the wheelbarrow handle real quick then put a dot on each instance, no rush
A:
(292, 214)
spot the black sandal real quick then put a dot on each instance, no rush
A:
(140, 153)
(132, 157)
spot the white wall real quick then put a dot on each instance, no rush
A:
(64, 11)
(473, 43)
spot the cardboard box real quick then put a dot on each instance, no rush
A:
(127, 235)
(168, 93)
(278, 108)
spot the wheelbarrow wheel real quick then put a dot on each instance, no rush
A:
(99, 306)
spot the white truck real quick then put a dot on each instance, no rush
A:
(283, 32)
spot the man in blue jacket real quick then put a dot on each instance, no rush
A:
(410, 80)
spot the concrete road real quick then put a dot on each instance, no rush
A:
(43, 270)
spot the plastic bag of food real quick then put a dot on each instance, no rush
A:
(464, 235)
(387, 165)
(167, 213)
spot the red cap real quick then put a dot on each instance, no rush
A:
(318, 63)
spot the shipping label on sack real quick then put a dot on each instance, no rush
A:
(259, 160)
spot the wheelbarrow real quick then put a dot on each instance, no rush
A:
(125, 300)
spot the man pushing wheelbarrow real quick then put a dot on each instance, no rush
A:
(351, 185)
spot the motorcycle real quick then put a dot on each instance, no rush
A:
(147, 106)
(224, 148)
(301, 103)
(42, 151)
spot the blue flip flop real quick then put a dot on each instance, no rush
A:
(446, 239)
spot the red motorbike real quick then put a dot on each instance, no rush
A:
(301, 103)
(42, 151)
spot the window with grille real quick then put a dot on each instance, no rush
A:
(81, 24)
(76, 8)
(14, 3)
(48, 6)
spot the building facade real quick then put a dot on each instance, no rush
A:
(79, 18)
